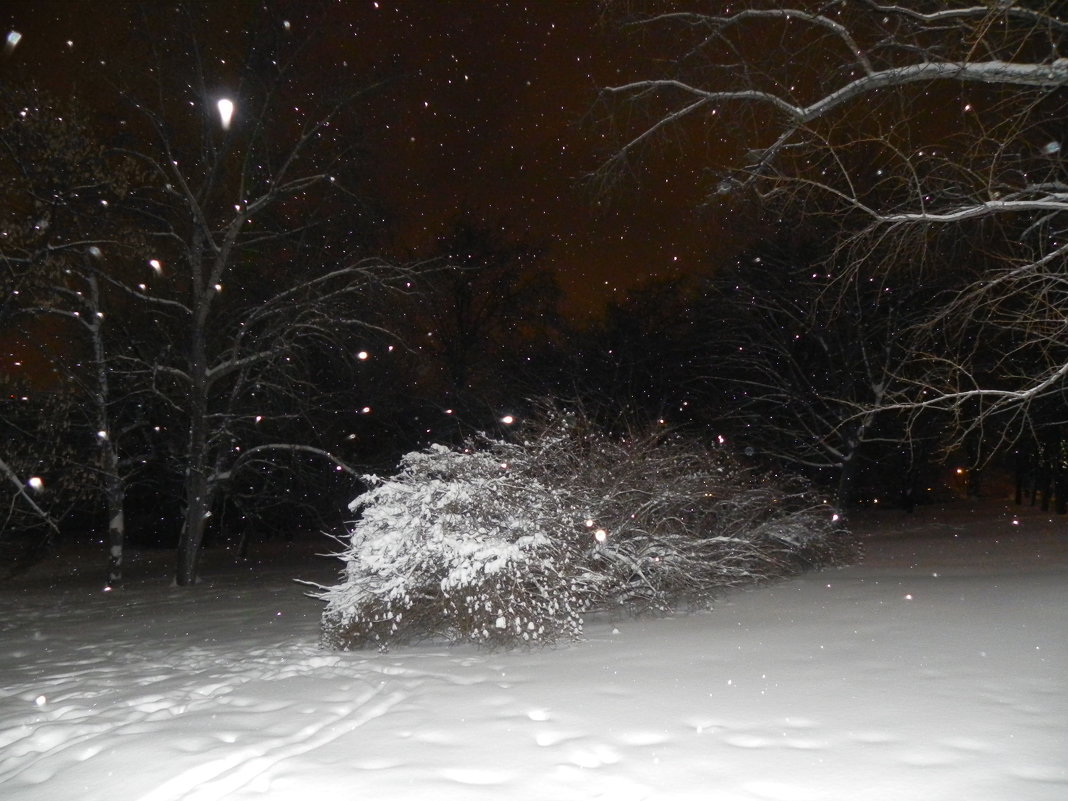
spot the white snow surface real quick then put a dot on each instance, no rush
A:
(936, 669)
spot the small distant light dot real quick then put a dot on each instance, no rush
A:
(508, 419)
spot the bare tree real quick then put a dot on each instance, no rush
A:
(63, 191)
(921, 129)
(484, 303)
(257, 273)
(805, 372)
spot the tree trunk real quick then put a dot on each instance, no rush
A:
(197, 501)
(115, 493)
(114, 489)
(192, 536)
(847, 481)
(849, 467)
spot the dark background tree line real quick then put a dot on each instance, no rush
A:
(202, 338)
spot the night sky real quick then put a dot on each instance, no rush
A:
(488, 107)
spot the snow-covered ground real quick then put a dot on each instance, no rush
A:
(938, 669)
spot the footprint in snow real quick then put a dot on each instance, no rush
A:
(747, 741)
(547, 739)
(476, 776)
(643, 739)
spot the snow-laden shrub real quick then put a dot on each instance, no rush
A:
(462, 544)
(505, 543)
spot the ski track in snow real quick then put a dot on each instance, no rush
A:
(936, 670)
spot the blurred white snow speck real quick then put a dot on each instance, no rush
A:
(1051, 148)
(13, 38)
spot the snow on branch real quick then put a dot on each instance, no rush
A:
(509, 544)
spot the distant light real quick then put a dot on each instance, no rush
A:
(155, 265)
(363, 355)
(36, 484)
(226, 112)
(40, 700)
(600, 535)
(508, 419)
(101, 435)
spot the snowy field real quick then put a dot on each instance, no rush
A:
(937, 669)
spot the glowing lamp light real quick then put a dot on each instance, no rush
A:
(226, 112)
(600, 535)
(508, 419)
(36, 484)
(363, 355)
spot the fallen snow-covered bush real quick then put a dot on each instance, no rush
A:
(506, 543)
